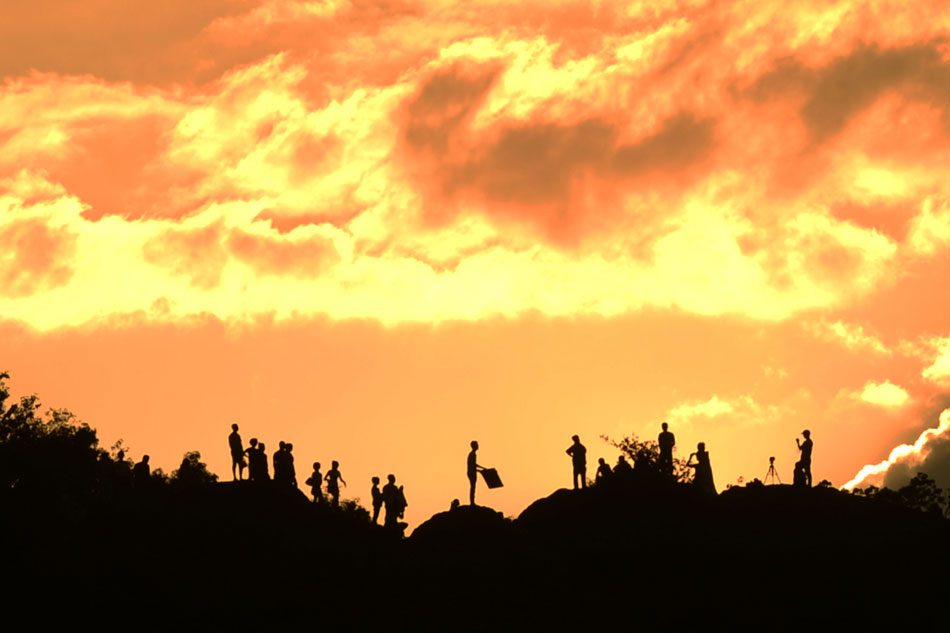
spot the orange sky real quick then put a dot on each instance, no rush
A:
(380, 230)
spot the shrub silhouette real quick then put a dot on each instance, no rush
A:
(644, 456)
(192, 472)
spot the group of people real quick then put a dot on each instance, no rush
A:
(666, 441)
(254, 459)
(393, 498)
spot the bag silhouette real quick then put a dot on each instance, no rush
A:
(492, 480)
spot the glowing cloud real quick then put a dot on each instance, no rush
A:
(930, 450)
(884, 394)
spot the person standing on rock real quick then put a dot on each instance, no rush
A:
(578, 453)
(472, 472)
(667, 441)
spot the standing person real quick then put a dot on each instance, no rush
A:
(704, 476)
(377, 500)
(291, 471)
(667, 441)
(315, 481)
(805, 462)
(237, 453)
(472, 472)
(395, 500)
(141, 473)
(578, 454)
(280, 463)
(262, 470)
(333, 487)
(253, 463)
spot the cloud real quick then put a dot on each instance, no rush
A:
(34, 257)
(672, 156)
(835, 92)
(851, 335)
(108, 38)
(930, 454)
(883, 394)
(939, 370)
(739, 411)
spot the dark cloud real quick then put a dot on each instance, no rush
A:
(537, 163)
(683, 140)
(568, 179)
(34, 257)
(444, 103)
(837, 91)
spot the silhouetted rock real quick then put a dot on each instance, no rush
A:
(465, 526)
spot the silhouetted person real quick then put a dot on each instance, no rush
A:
(667, 441)
(263, 472)
(603, 471)
(253, 462)
(799, 478)
(280, 463)
(704, 477)
(291, 470)
(578, 454)
(395, 501)
(141, 473)
(472, 472)
(623, 466)
(237, 453)
(805, 448)
(333, 480)
(455, 504)
(123, 471)
(377, 500)
(315, 481)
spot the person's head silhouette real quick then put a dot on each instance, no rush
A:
(316, 465)
(253, 441)
(701, 447)
(234, 427)
(665, 426)
(806, 433)
(336, 464)
(391, 478)
(281, 446)
(576, 438)
(145, 458)
(601, 461)
(474, 445)
(375, 481)
(261, 446)
(289, 446)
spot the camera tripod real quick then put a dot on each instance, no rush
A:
(773, 474)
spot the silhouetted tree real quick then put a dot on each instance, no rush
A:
(192, 472)
(922, 494)
(49, 456)
(645, 458)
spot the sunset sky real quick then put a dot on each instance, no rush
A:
(380, 230)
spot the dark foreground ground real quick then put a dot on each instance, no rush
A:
(632, 555)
